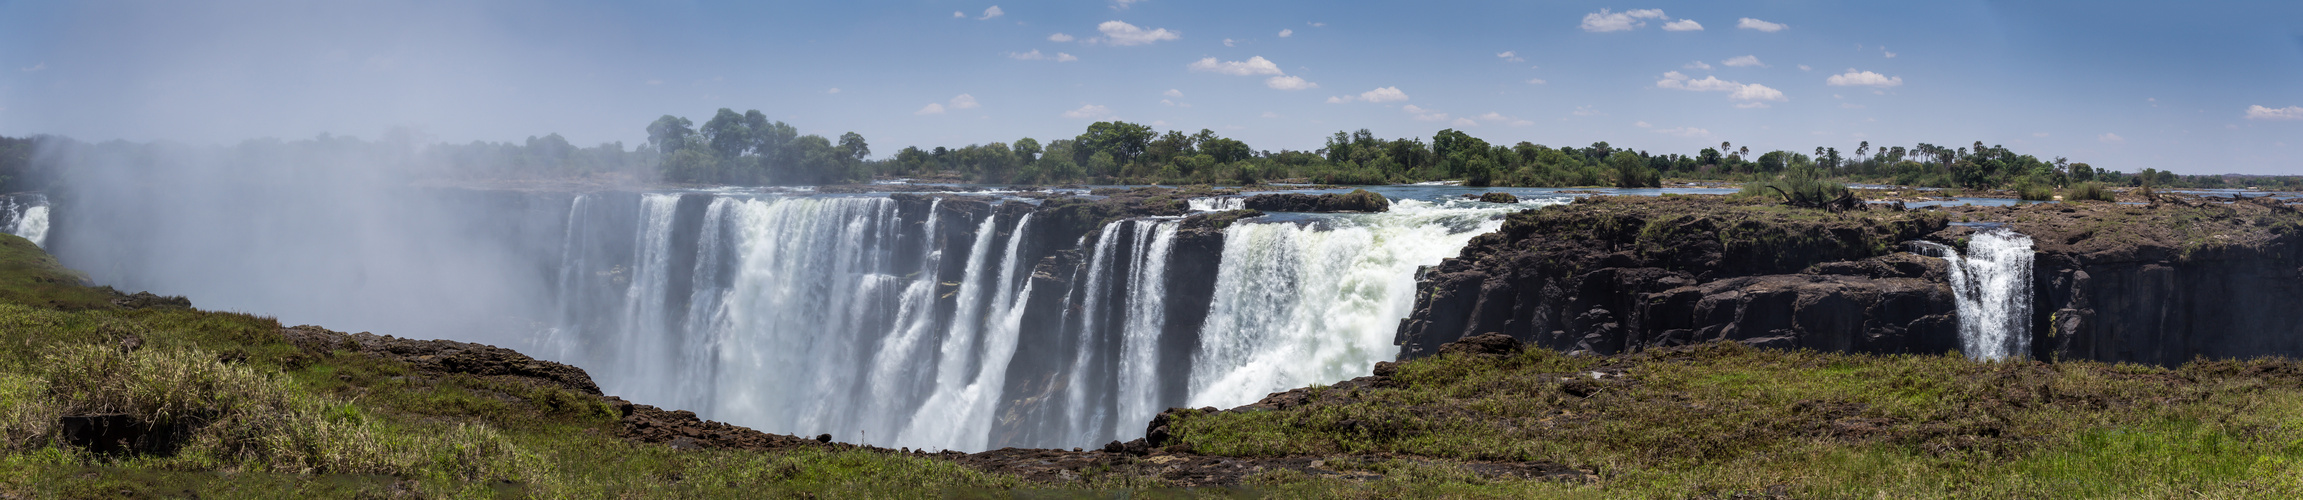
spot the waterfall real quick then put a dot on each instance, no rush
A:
(26, 215)
(1992, 286)
(879, 322)
(1297, 304)
(1215, 204)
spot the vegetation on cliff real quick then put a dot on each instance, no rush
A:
(1722, 420)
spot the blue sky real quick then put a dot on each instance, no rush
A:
(2194, 87)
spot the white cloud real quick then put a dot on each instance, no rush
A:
(1122, 4)
(1509, 55)
(1227, 42)
(1315, 25)
(1165, 102)
(1757, 92)
(2258, 112)
(1755, 24)
(1697, 65)
(959, 15)
(1684, 132)
(1422, 114)
(1124, 34)
(1060, 37)
(1804, 67)
(1035, 55)
(1380, 94)
(1883, 51)
(1536, 81)
(1172, 93)
(1683, 25)
(36, 67)
(1284, 82)
(992, 12)
(1464, 122)
(1641, 124)
(1853, 78)
(1383, 94)
(1284, 33)
(1743, 61)
(964, 101)
(1750, 105)
(1252, 66)
(1088, 111)
(1604, 21)
(1268, 114)
(1494, 117)
(2110, 137)
(1677, 80)
(1587, 111)
(834, 90)
(931, 109)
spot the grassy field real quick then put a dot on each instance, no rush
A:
(226, 407)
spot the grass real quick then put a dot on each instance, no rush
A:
(1722, 419)
(2088, 191)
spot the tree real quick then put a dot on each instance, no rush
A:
(669, 134)
(1631, 171)
(1122, 140)
(1027, 150)
(853, 144)
(727, 134)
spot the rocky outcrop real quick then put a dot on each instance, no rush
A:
(1358, 200)
(444, 357)
(1495, 197)
(2163, 285)
(1618, 274)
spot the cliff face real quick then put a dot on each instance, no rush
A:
(2163, 285)
(1617, 274)
(2158, 285)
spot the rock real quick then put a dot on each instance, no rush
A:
(1486, 344)
(1498, 197)
(1358, 200)
(444, 356)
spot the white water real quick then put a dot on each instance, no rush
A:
(1215, 204)
(27, 218)
(1299, 304)
(1992, 285)
(807, 315)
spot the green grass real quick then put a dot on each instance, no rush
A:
(1723, 419)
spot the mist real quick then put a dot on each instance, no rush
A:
(334, 231)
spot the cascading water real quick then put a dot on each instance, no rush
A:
(1297, 304)
(1215, 204)
(25, 215)
(899, 324)
(1992, 285)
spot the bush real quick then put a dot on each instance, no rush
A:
(1803, 187)
(2033, 192)
(2088, 191)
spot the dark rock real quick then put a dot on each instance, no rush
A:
(1358, 200)
(119, 434)
(1498, 197)
(823, 438)
(1486, 344)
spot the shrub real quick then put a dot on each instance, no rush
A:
(2088, 191)
(1804, 187)
(2033, 192)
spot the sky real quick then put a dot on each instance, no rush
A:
(2192, 87)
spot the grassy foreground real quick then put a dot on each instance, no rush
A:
(249, 414)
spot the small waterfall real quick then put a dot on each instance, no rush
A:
(1117, 335)
(1992, 285)
(26, 215)
(1215, 203)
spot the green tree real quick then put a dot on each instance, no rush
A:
(1123, 141)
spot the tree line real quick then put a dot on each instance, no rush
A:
(746, 148)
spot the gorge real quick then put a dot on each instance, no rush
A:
(975, 322)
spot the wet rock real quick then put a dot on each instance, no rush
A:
(1498, 197)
